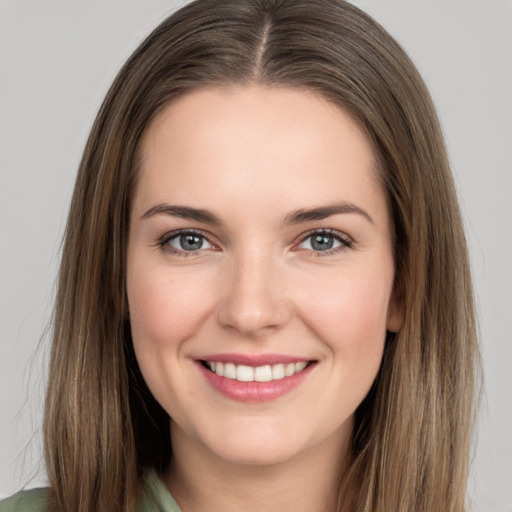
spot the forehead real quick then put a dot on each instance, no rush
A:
(299, 116)
(257, 143)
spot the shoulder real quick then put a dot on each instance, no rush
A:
(34, 500)
(156, 498)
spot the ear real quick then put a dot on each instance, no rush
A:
(396, 313)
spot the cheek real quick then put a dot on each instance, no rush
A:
(348, 311)
(165, 311)
(165, 308)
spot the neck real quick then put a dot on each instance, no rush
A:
(201, 481)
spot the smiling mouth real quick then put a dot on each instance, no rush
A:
(264, 373)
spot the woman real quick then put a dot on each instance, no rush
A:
(264, 245)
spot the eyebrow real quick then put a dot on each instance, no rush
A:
(296, 217)
(322, 212)
(184, 212)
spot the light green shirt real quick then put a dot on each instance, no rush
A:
(156, 498)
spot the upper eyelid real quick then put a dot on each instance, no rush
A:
(176, 232)
(334, 232)
(300, 238)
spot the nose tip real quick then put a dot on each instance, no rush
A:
(255, 302)
(249, 323)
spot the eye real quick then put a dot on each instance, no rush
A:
(185, 241)
(324, 241)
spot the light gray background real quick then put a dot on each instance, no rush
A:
(57, 58)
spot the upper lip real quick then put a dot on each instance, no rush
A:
(254, 359)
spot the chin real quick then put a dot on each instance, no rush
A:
(257, 453)
(254, 442)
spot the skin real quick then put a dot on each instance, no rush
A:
(253, 156)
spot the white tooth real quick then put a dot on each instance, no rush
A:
(300, 366)
(278, 371)
(219, 369)
(244, 373)
(263, 373)
(211, 364)
(230, 370)
(289, 370)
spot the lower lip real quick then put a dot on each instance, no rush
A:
(255, 391)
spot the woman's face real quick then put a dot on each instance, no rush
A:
(260, 271)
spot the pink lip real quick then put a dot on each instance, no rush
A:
(254, 360)
(254, 391)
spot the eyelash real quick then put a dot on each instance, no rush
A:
(345, 241)
(163, 242)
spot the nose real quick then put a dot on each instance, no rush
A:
(255, 300)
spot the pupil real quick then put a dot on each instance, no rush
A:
(191, 242)
(322, 242)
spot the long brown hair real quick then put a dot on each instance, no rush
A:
(102, 427)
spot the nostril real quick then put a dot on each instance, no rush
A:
(253, 318)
